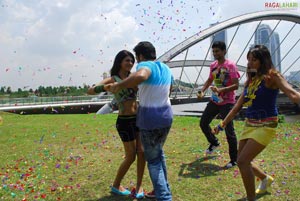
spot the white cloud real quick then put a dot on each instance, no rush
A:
(61, 42)
(70, 37)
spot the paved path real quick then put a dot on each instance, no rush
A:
(292, 118)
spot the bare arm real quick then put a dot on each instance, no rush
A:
(135, 78)
(200, 94)
(206, 84)
(91, 90)
(286, 88)
(230, 116)
(234, 86)
(233, 112)
(132, 81)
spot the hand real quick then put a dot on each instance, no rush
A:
(215, 89)
(215, 131)
(200, 94)
(113, 88)
(270, 77)
(218, 128)
(107, 87)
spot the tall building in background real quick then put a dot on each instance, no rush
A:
(263, 37)
(219, 36)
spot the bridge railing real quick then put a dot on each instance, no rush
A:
(35, 100)
(186, 94)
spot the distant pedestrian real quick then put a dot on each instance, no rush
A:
(260, 94)
(155, 114)
(225, 76)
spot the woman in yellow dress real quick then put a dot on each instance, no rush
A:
(260, 94)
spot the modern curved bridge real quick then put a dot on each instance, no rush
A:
(178, 57)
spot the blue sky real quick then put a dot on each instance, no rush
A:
(72, 42)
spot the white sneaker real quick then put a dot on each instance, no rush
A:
(264, 185)
(230, 164)
(211, 148)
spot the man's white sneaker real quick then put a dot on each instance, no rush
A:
(211, 148)
(230, 165)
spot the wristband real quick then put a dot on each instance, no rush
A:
(221, 126)
(99, 88)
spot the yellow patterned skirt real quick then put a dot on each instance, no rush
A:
(262, 131)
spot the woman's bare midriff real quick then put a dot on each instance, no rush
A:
(129, 107)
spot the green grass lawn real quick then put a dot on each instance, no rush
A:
(75, 157)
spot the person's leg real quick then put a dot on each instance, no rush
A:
(230, 133)
(140, 164)
(241, 146)
(130, 153)
(127, 134)
(249, 150)
(258, 172)
(153, 141)
(208, 115)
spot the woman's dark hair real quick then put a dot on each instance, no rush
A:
(262, 53)
(118, 60)
(146, 49)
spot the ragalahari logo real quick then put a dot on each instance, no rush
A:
(282, 5)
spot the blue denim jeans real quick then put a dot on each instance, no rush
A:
(153, 142)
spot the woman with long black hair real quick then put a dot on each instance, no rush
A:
(126, 122)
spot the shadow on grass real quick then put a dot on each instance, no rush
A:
(199, 168)
(113, 198)
(257, 196)
(262, 195)
(118, 198)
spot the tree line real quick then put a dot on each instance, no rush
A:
(44, 91)
(50, 91)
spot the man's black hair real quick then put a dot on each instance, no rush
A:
(146, 49)
(219, 44)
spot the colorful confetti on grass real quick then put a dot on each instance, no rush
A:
(75, 156)
(50, 169)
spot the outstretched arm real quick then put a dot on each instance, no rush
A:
(286, 88)
(233, 112)
(230, 116)
(133, 80)
(101, 86)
